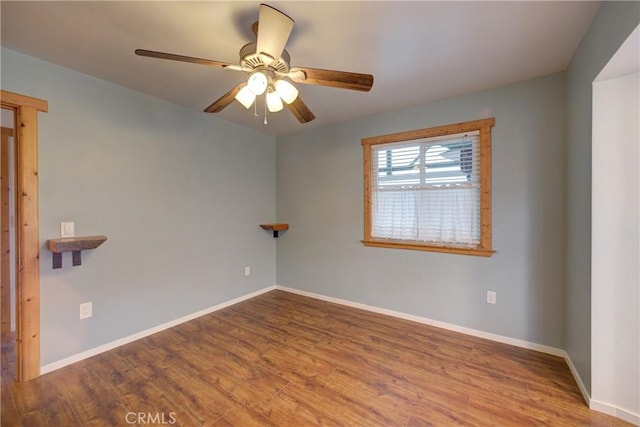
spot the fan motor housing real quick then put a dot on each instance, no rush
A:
(250, 59)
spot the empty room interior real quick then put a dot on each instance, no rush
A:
(320, 213)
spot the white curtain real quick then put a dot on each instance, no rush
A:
(437, 214)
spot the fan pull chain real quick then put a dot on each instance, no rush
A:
(265, 110)
(255, 108)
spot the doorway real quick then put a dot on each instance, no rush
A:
(27, 244)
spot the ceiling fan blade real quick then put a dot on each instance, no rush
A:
(182, 58)
(274, 29)
(339, 79)
(226, 99)
(300, 110)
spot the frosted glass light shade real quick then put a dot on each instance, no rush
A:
(274, 103)
(246, 97)
(287, 91)
(257, 83)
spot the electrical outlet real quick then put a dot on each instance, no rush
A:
(67, 229)
(491, 297)
(247, 271)
(86, 310)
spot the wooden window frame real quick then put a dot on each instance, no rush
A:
(484, 248)
(27, 232)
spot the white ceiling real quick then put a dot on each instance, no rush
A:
(417, 51)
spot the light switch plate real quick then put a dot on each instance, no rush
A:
(491, 297)
(67, 229)
(86, 310)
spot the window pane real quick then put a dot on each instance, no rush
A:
(427, 191)
(399, 166)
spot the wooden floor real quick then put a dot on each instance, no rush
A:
(286, 360)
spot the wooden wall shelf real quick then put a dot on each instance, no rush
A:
(275, 228)
(75, 245)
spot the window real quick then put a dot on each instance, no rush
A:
(430, 189)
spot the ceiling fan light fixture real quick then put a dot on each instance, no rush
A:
(257, 83)
(287, 91)
(266, 63)
(246, 97)
(274, 102)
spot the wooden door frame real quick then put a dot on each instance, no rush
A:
(5, 239)
(27, 235)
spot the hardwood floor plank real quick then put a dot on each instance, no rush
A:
(308, 363)
(281, 359)
(239, 342)
(201, 400)
(9, 412)
(416, 391)
(330, 404)
(57, 413)
(90, 397)
(35, 396)
(281, 412)
(249, 386)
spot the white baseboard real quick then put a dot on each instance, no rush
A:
(444, 325)
(576, 376)
(608, 409)
(126, 340)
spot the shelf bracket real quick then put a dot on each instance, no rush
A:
(76, 258)
(57, 260)
(276, 228)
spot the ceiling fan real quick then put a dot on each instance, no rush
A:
(268, 64)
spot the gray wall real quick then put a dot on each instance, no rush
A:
(611, 26)
(179, 194)
(319, 192)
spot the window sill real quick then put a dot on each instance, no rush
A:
(459, 250)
